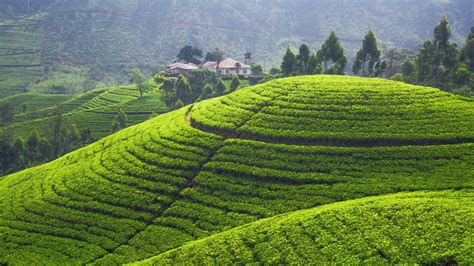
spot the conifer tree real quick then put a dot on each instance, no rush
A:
(288, 66)
(302, 59)
(332, 57)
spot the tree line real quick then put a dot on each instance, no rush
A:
(196, 86)
(439, 63)
(61, 138)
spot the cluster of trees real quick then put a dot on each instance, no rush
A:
(439, 63)
(198, 86)
(61, 138)
(330, 59)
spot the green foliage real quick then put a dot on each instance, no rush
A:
(257, 69)
(189, 54)
(332, 56)
(221, 88)
(183, 90)
(120, 121)
(140, 81)
(215, 56)
(234, 84)
(288, 66)
(367, 62)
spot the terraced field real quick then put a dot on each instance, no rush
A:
(190, 178)
(20, 54)
(94, 110)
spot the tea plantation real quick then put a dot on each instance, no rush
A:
(94, 110)
(293, 170)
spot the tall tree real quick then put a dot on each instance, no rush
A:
(183, 90)
(189, 54)
(332, 56)
(221, 88)
(120, 121)
(288, 66)
(467, 52)
(215, 56)
(437, 60)
(207, 92)
(234, 84)
(367, 61)
(302, 59)
(140, 81)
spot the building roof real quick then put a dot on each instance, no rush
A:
(188, 66)
(227, 63)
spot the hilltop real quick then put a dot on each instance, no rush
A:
(301, 143)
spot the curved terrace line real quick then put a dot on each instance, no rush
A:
(334, 142)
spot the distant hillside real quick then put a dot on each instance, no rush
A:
(260, 152)
(92, 111)
(110, 36)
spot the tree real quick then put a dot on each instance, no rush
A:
(120, 121)
(437, 60)
(183, 90)
(332, 56)
(367, 61)
(216, 55)
(140, 81)
(409, 71)
(7, 113)
(257, 69)
(189, 54)
(179, 104)
(288, 66)
(302, 59)
(207, 92)
(467, 53)
(394, 59)
(314, 65)
(221, 88)
(234, 84)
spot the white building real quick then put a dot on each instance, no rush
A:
(229, 67)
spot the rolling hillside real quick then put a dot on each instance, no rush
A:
(261, 152)
(374, 230)
(94, 110)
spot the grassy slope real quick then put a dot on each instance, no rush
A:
(380, 230)
(94, 110)
(35, 101)
(158, 185)
(20, 45)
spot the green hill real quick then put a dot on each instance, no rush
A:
(94, 110)
(376, 231)
(231, 161)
